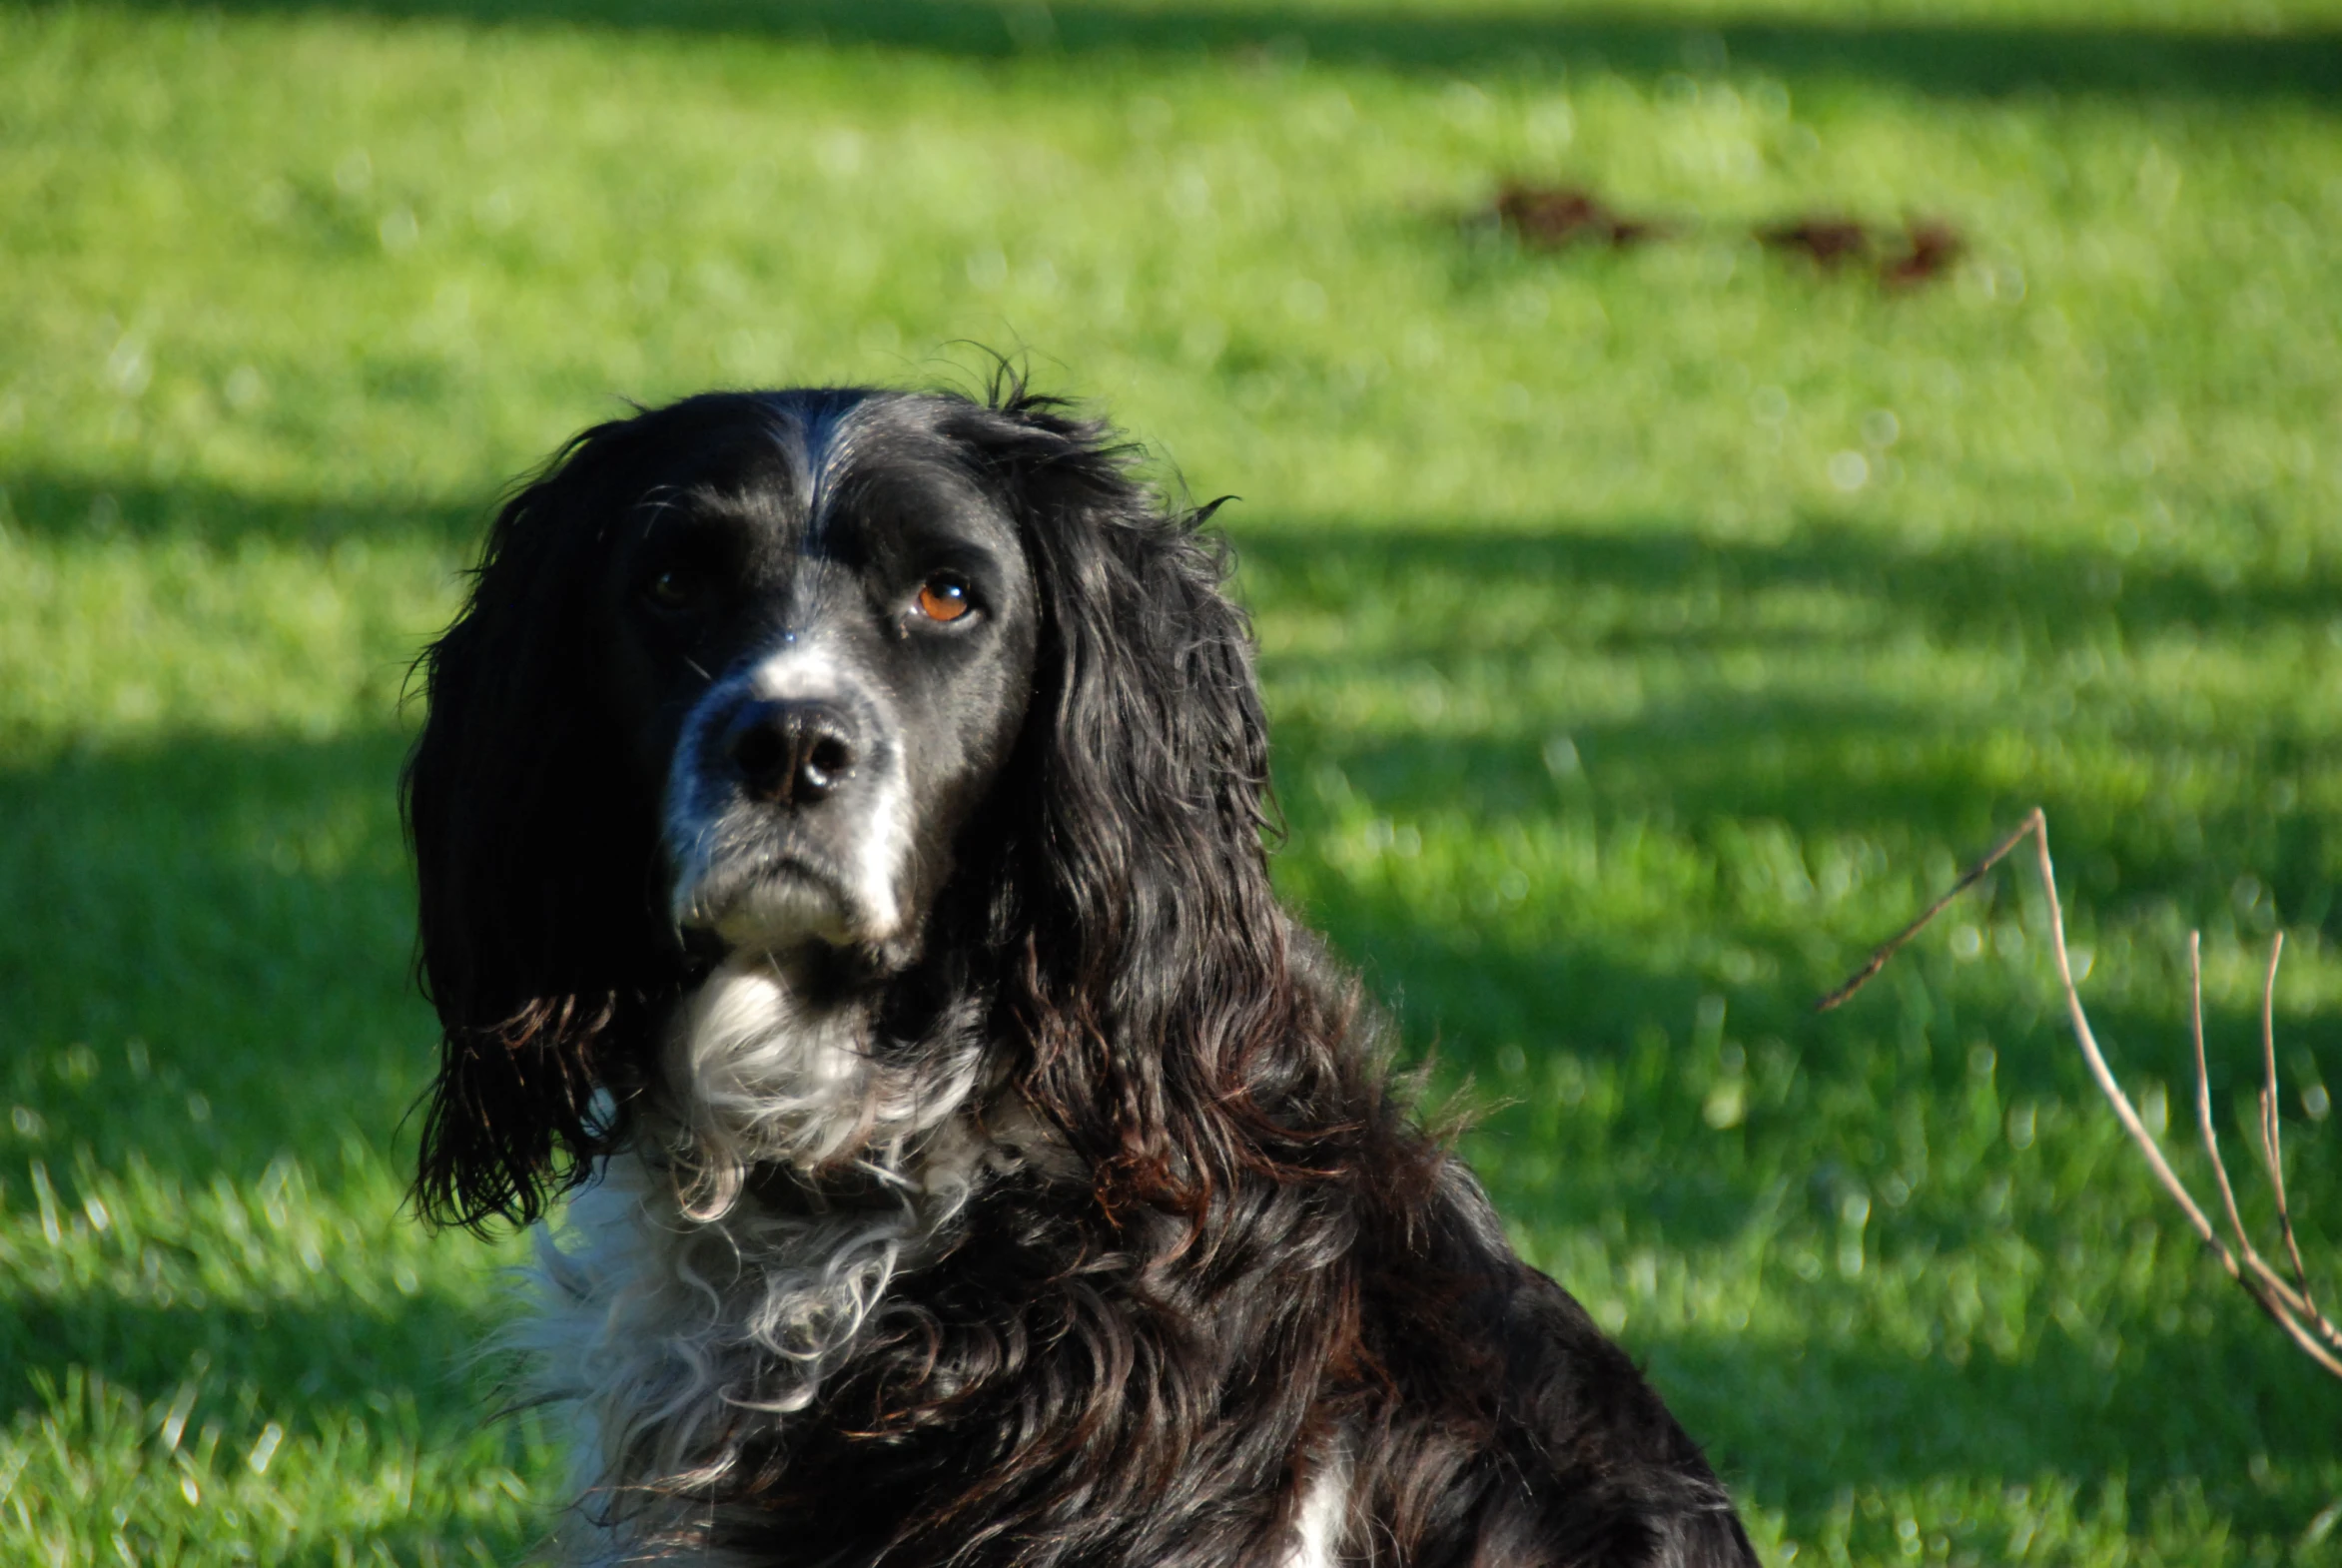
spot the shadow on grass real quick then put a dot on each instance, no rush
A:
(404, 1447)
(2175, 1407)
(47, 507)
(2053, 594)
(242, 911)
(1821, 757)
(1951, 58)
(1715, 763)
(1474, 997)
(327, 1349)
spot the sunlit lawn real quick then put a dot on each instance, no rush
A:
(1647, 633)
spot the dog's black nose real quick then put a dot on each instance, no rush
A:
(790, 753)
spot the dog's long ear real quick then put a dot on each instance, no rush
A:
(1172, 1036)
(530, 858)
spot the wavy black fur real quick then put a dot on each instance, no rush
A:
(1251, 1266)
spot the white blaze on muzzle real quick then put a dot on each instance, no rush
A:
(773, 873)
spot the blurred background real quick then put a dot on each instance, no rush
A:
(1706, 467)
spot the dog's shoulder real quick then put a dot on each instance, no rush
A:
(1604, 1472)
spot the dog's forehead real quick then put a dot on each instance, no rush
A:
(838, 480)
(883, 472)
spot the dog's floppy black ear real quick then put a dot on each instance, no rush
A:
(530, 858)
(1148, 963)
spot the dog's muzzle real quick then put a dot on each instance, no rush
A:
(784, 815)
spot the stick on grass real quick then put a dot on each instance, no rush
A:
(2287, 1301)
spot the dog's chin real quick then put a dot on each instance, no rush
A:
(781, 909)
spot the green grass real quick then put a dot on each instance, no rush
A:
(1610, 728)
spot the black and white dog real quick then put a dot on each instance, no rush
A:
(840, 820)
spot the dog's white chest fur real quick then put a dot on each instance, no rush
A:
(680, 1311)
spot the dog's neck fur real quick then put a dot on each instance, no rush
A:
(789, 1164)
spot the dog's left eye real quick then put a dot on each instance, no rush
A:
(675, 588)
(944, 597)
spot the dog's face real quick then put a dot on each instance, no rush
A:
(820, 636)
(931, 686)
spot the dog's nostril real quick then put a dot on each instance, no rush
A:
(826, 760)
(762, 753)
(789, 753)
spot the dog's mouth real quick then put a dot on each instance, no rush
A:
(773, 901)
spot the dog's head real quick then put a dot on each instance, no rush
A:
(816, 630)
(844, 677)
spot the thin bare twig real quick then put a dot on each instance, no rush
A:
(2273, 1142)
(2204, 1088)
(1894, 945)
(2287, 1303)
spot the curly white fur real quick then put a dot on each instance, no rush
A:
(766, 1080)
(683, 1310)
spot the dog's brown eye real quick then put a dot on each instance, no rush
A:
(943, 598)
(673, 589)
